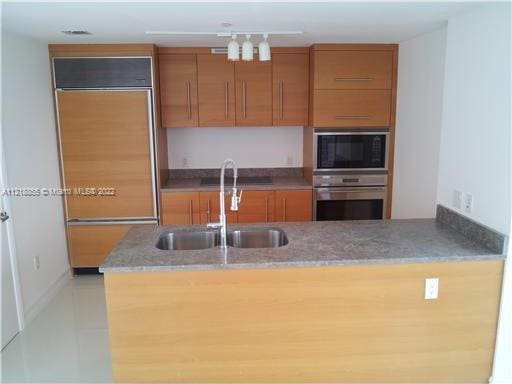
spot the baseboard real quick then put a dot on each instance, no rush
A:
(46, 297)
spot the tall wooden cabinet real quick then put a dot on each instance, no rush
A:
(216, 91)
(253, 93)
(290, 87)
(178, 90)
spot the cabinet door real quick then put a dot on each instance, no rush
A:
(294, 205)
(90, 244)
(257, 207)
(290, 77)
(216, 90)
(253, 93)
(351, 108)
(210, 208)
(178, 90)
(180, 208)
(353, 69)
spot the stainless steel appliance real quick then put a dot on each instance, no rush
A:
(342, 149)
(350, 174)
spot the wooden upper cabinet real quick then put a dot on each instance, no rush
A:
(253, 93)
(353, 69)
(290, 78)
(216, 89)
(180, 208)
(351, 108)
(294, 205)
(178, 90)
(257, 207)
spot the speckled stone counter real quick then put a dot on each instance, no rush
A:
(310, 244)
(194, 184)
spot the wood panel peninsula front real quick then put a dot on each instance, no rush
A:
(341, 302)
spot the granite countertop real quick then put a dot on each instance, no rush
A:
(194, 184)
(310, 244)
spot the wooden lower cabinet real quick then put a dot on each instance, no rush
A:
(257, 207)
(364, 323)
(294, 205)
(180, 208)
(90, 244)
(209, 207)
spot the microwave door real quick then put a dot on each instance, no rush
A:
(351, 151)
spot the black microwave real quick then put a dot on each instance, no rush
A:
(349, 150)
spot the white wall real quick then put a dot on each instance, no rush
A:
(475, 136)
(418, 127)
(250, 147)
(30, 142)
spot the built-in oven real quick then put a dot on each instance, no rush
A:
(350, 196)
(348, 150)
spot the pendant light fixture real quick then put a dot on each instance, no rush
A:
(233, 50)
(264, 49)
(247, 49)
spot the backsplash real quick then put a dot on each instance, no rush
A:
(250, 147)
(243, 172)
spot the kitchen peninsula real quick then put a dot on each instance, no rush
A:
(338, 301)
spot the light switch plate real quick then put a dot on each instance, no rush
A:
(457, 199)
(431, 288)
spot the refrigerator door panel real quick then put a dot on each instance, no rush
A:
(91, 243)
(107, 153)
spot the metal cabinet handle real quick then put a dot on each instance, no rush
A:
(190, 212)
(343, 117)
(208, 212)
(244, 101)
(189, 102)
(353, 79)
(281, 99)
(266, 209)
(284, 209)
(226, 98)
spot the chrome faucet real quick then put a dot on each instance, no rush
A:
(235, 200)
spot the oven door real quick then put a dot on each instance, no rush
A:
(348, 203)
(342, 150)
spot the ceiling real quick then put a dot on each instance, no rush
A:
(321, 22)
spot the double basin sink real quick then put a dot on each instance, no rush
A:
(245, 238)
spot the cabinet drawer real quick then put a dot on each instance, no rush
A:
(353, 69)
(180, 208)
(90, 244)
(351, 108)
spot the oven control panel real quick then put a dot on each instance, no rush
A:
(350, 180)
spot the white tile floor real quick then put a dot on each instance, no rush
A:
(67, 342)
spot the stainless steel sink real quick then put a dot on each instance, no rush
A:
(187, 240)
(257, 238)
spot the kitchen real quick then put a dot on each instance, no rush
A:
(328, 136)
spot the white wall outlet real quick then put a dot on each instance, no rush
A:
(289, 161)
(431, 288)
(37, 263)
(184, 162)
(467, 203)
(457, 199)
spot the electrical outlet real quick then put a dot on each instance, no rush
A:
(289, 161)
(457, 199)
(184, 162)
(431, 288)
(468, 202)
(37, 263)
